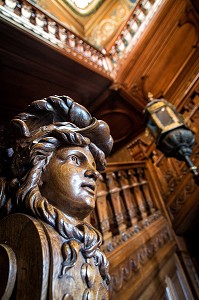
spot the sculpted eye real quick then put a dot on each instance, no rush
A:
(75, 159)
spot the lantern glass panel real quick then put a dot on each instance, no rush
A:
(164, 116)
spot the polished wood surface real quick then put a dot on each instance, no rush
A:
(51, 155)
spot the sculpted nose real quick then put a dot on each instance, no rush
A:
(92, 174)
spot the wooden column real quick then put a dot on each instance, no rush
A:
(131, 213)
(146, 192)
(138, 194)
(118, 225)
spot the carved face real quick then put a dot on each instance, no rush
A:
(69, 181)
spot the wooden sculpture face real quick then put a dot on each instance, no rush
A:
(69, 181)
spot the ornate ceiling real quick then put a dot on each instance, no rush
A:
(98, 22)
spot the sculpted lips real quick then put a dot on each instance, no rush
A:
(89, 187)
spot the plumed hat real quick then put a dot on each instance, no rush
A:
(61, 113)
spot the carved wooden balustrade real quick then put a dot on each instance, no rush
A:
(134, 231)
(38, 22)
(124, 204)
(140, 18)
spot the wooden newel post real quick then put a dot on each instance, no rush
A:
(50, 157)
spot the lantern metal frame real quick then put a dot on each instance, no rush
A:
(170, 132)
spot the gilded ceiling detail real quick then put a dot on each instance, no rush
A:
(106, 28)
(96, 21)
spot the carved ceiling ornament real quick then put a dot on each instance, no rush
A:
(48, 170)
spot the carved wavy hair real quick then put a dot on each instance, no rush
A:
(20, 192)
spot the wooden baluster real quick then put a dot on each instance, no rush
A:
(102, 211)
(129, 202)
(146, 192)
(117, 225)
(138, 194)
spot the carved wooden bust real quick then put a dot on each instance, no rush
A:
(50, 157)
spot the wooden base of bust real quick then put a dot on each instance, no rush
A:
(35, 266)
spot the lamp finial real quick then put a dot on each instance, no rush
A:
(150, 96)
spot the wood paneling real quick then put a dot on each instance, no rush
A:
(167, 48)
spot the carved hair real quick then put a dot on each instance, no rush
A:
(19, 188)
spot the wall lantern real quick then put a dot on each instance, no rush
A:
(170, 132)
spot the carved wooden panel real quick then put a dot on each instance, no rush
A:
(167, 53)
(132, 262)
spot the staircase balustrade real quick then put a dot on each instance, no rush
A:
(35, 20)
(124, 203)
